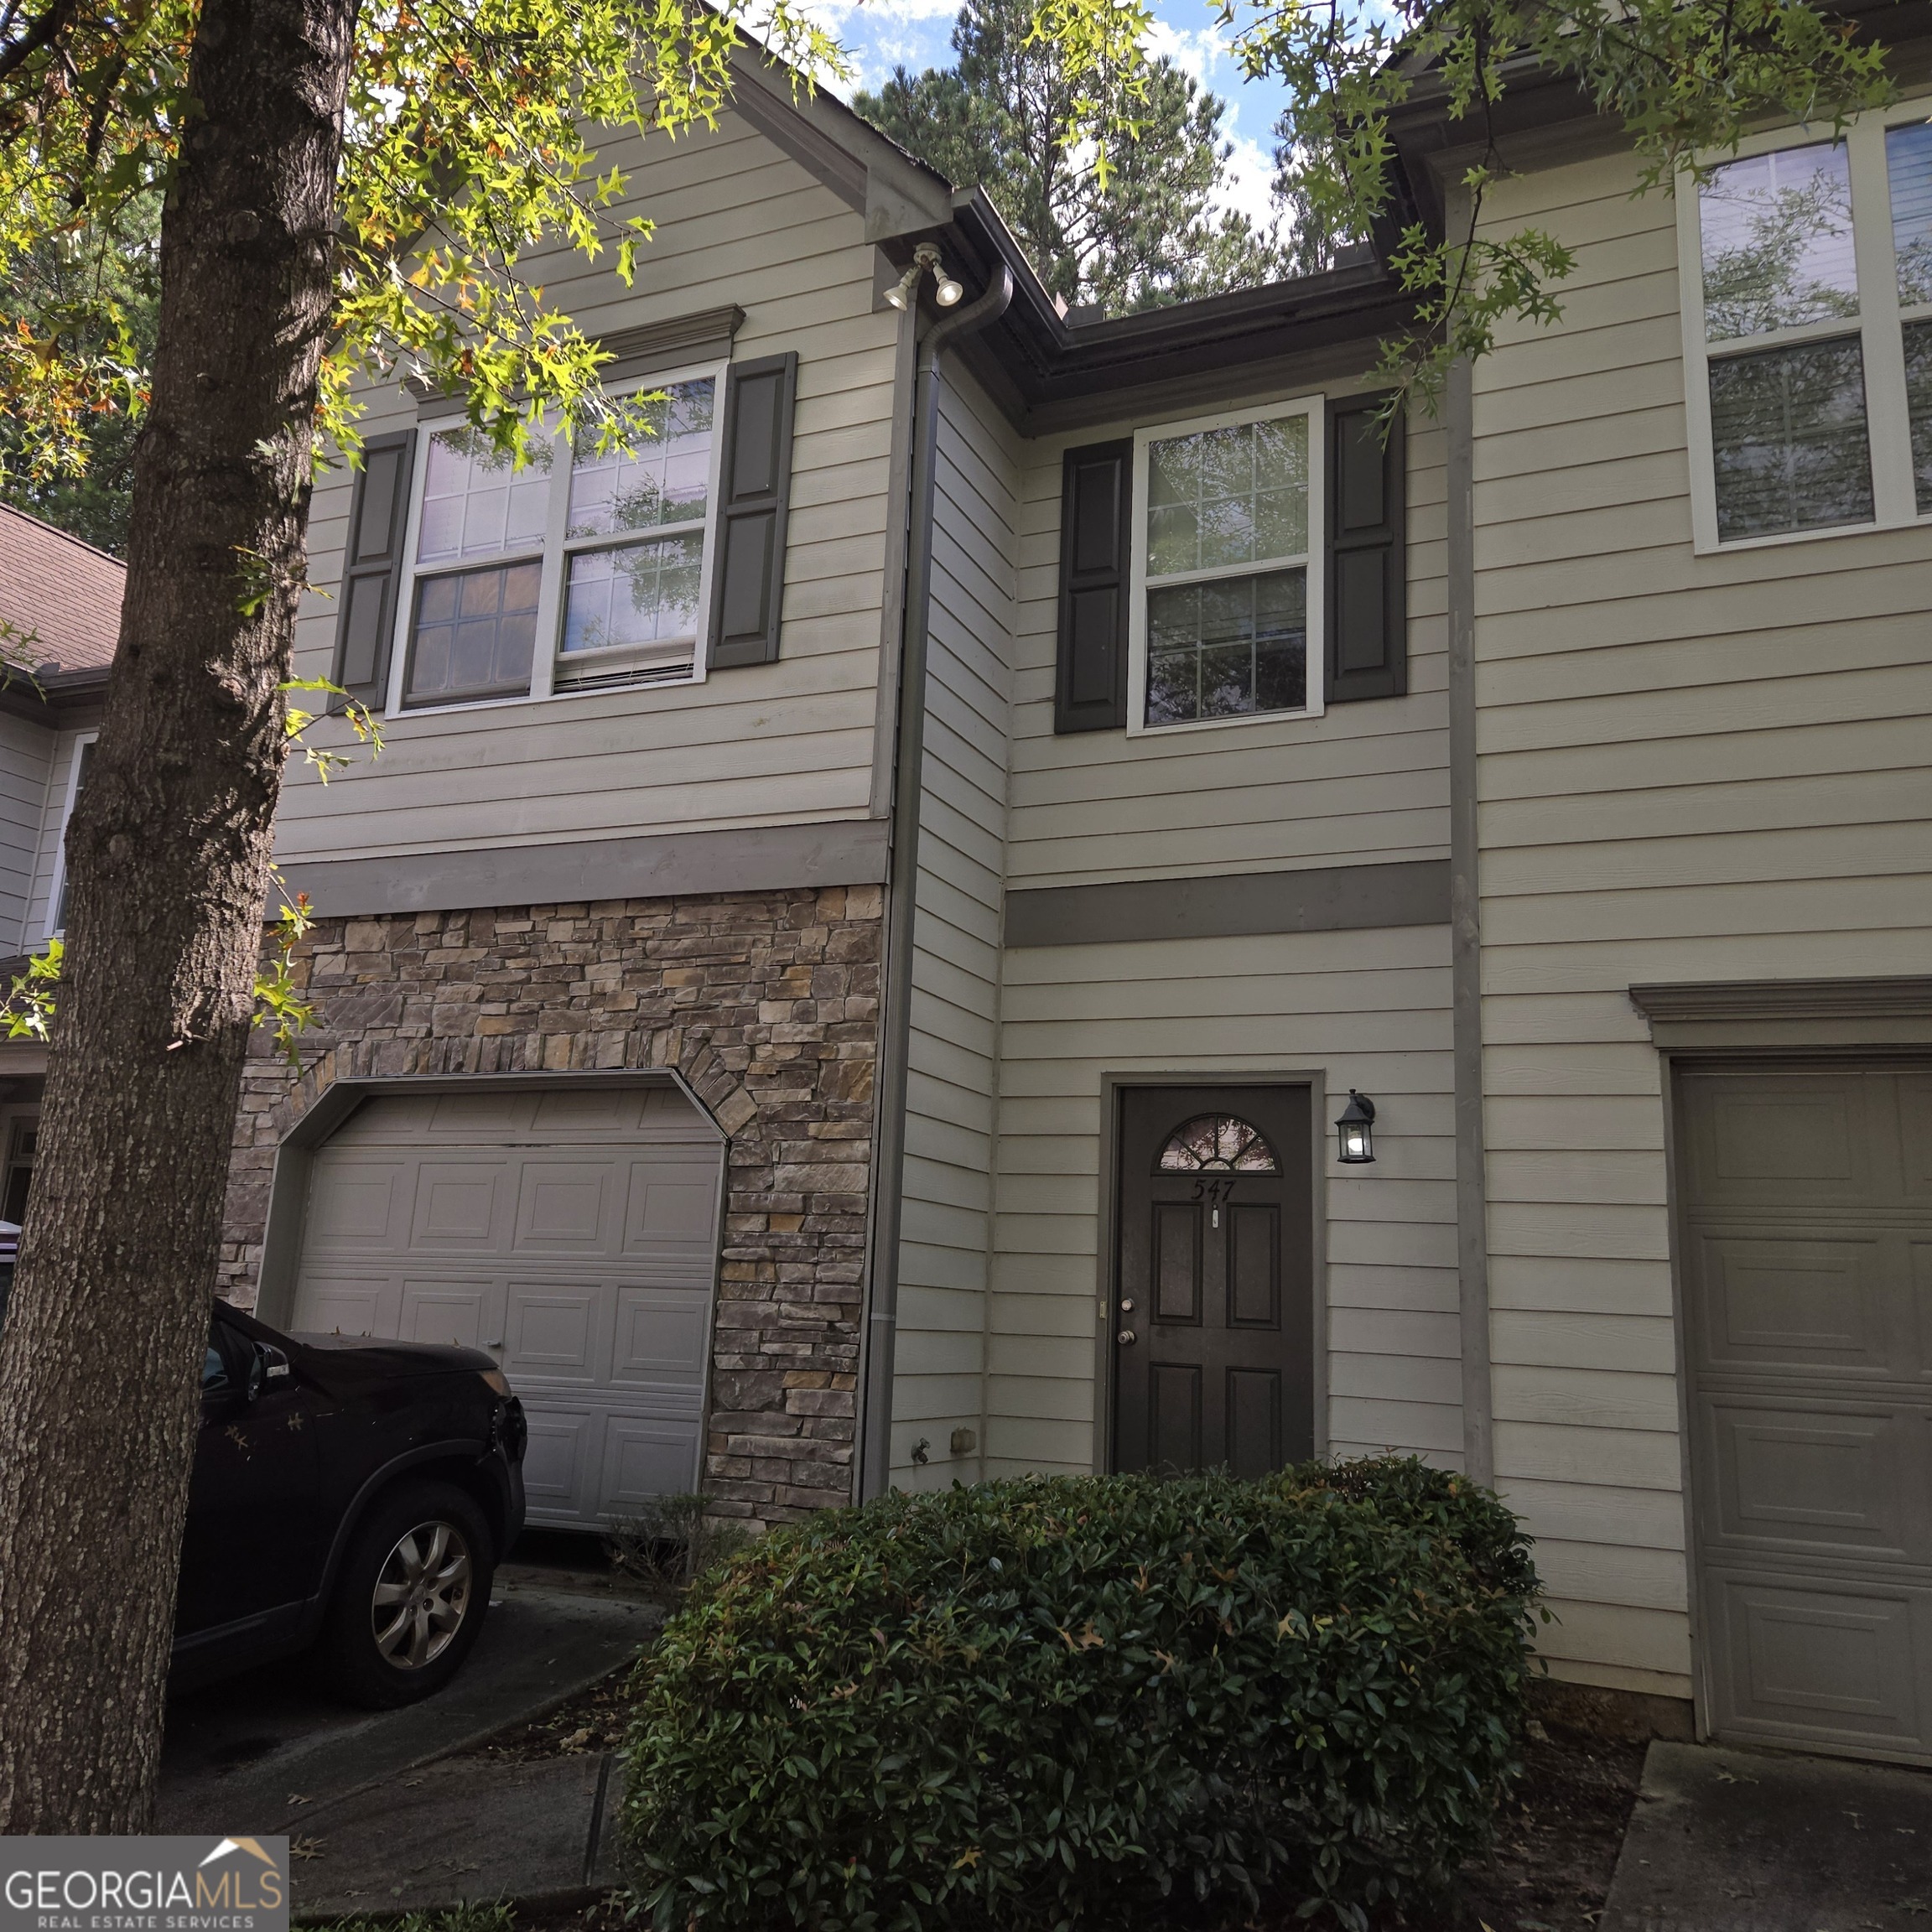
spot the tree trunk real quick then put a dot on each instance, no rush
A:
(168, 858)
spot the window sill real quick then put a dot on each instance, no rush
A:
(1734, 546)
(457, 706)
(1304, 715)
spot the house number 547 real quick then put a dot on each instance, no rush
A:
(1214, 1192)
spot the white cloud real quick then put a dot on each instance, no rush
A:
(1247, 182)
(878, 35)
(1197, 53)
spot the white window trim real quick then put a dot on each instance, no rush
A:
(1877, 327)
(1312, 407)
(57, 881)
(556, 556)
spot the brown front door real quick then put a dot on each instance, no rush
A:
(1214, 1310)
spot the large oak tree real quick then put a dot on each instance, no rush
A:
(346, 185)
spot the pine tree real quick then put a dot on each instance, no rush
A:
(998, 119)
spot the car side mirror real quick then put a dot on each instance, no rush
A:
(268, 1366)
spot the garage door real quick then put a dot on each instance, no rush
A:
(1809, 1292)
(571, 1234)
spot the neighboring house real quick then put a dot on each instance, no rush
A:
(850, 964)
(60, 616)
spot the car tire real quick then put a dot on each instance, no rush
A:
(409, 1600)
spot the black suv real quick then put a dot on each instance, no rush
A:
(349, 1495)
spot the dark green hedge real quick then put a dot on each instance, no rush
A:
(1056, 1701)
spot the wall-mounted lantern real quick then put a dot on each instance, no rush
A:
(1355, 1131)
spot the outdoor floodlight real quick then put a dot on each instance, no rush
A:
(947, 289)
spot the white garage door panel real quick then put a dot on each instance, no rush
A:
(557, 1333)
(660, 1337)
(670, 1200)
(643, 1459)
(564, 1205)
(334, 1303)
(459, 1207)
(361, 1204)
(557, 1464)
(438, 1312)
(571, 1234)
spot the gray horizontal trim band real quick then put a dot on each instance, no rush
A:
(1319, 899)
(760, 859)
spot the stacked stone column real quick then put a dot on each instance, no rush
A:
(766, 1004)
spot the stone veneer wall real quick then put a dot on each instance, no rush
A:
(766, 1002)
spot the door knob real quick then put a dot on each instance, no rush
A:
(1126, 1336)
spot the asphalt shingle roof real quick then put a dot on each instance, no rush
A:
(66, 592)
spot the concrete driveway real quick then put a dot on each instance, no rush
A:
(270, 1751)
(1733, 1840)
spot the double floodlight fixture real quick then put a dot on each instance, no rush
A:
(947, 289)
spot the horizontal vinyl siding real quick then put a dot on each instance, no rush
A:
(1690, 768)
(26, 764)
(1366, 1010)
(786, 743)
(939, 1362)
(1365, 782)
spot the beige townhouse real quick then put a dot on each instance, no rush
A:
(1012, 894)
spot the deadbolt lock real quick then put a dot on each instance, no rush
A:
(1127, 1306)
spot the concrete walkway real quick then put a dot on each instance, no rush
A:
(543, 1834)
(1762, 1841)
(271, 1752)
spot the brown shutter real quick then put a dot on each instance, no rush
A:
(755, 492)
(1096, 526)
(1368, 561)
(372, 566)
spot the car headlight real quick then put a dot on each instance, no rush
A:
(508, 1430)
(495, 1381)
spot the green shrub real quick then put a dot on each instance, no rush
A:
(1051, 1702)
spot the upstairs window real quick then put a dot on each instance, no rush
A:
(580, 570)
(58, 893)
(1224, 598)
(1808, 335)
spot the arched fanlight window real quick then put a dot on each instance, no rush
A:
(1216, 1143)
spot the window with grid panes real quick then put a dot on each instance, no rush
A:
(581, 570)
(1227, 523)
(1807, 325)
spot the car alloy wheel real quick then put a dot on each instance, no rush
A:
(422, 1595)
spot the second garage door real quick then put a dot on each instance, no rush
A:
(1808, 1281)
(571, 1234)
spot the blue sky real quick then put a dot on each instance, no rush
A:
(880, 34)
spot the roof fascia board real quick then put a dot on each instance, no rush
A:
(1544, 120)
(1333, 367)
(872, 175)
(58, 699)
(1044, 374)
